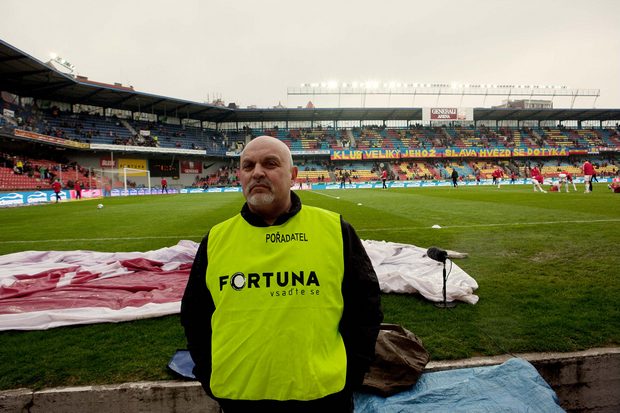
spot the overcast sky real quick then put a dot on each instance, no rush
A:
(250, 52)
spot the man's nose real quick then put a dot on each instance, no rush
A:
(258, 171)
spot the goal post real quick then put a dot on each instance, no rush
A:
(123, 179)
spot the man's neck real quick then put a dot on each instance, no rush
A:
(267, 218)
(269, 214)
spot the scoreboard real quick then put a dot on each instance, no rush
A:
(164, 167)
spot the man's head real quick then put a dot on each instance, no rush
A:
(266, 174)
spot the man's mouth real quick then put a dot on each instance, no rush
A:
(261, 186)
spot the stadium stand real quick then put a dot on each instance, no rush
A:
(39, 174)
(94, 125)
(110, 130)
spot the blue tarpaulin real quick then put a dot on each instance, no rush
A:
(514, 386)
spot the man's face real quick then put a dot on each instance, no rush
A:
(266, 174)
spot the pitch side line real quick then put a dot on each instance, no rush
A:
(330, 196)
(512, 224)
(358, 230)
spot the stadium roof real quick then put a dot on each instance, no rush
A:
(26, 76)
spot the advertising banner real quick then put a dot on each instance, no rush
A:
(50, 139)
(346, 155)
(29, 198)
(133, 164)
(191, 167)
(361, 154)
(448, 114)
(381, 153)
(482, 152)
(443, 114)
(422, 153)
(478, 153)
(541, 152)
(107, 163)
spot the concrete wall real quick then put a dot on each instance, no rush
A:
(146, 397)
(586, 381)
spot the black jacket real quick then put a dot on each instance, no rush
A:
(360, 321)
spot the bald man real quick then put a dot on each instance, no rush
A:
(282, 307)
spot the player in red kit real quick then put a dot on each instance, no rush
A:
(384, 178)
(78, 190)
(57, 187)
(497, 176)
(537, 179)
(569, 180)
(588, 172)
(615, 184)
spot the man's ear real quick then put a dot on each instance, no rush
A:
(294, 171)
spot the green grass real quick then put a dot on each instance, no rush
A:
(547, 266)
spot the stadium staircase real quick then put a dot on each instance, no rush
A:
(128, 127)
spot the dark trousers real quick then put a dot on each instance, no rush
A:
(341, 402)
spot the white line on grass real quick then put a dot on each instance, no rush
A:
(506, 224)
(331, 196)
(358, 230)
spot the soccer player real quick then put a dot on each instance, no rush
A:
(615, 184)
(588, 171)
(562, 180)
(497, 175)
(569, 180)
(56, 186)
(537, 180)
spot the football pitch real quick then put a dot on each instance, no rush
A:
(547, 265)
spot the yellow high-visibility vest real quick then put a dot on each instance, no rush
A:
(278, 303)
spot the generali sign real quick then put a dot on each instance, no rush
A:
(444, 113)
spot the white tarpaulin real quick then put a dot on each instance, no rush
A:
(45, 289)
(405, 268)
